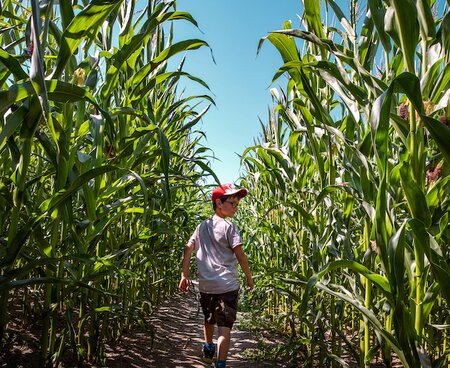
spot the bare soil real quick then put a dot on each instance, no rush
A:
(176, 341)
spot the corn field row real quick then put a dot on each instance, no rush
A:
(100, 168)
(350, 179)
(102, 177)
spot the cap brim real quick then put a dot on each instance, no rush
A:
(240, 192)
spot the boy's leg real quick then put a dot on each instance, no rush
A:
(208, 331)
(223, 342)
(226, 316)
(207, 302)
(209, 349)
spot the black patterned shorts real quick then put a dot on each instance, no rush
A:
(220, 309)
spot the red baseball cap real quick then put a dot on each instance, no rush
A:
(227, 190)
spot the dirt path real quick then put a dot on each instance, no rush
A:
(178, 340)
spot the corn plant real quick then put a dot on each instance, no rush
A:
(355, 162)
(100, 167)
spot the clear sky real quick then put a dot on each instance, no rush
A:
(240, 81)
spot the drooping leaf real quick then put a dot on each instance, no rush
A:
(135, 44)
(12, 64)
(377, 11)
(84, 25)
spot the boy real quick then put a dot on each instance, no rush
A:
(218, 248)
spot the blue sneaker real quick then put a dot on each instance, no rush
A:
(220, 364)
(208, 353)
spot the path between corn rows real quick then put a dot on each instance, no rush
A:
(178, 340)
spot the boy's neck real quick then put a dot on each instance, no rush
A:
(219, 213)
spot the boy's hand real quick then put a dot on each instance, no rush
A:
(185, 283)
(250, 284)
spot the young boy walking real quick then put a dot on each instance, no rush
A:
(218, 250)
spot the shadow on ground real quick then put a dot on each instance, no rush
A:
(177, 341)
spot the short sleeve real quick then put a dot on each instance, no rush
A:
(233, 236)
(194, 238)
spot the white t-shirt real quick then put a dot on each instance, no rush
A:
(214, 240)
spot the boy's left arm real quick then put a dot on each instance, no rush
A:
(185, 282)
(243, 262)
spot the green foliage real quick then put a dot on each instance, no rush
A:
(350, 184)
(101, 172)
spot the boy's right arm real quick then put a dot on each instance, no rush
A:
(243, 261)
(185, 282)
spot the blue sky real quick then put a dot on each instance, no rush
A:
(240, 81)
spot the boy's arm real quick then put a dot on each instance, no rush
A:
(185, 282)
(243, 261)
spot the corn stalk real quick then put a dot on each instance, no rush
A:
(98, 152)
(354, 159)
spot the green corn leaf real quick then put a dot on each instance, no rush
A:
(12, 124)
(409, 84)
(288, 51)
(414, 195)
(57, 91)
(365, 41)
(332, 75)
(378, 14)
(441, 84)
(396, 251)
(124, 54)
(282, 159)
(429, 80)
(67, 13)
(440, 134)
(127, 30)
(437, 192)
(195, 120)
(13, 65)
(165, 159)
(345, 55)
(325, 192)
(15, 93)
(118, 111)
(407, 29)
(342, 19)
(310, 222)
(439, 265)
(401, 127)
(24, 270)
(206, 168)
(383, 226)
(445, 34)
(8, 285)
(140, 92)
(332, 69)
(426, 21)
(76, 185)
(379, 120)
(84, 25)
(9, 254)
(377, 279)
(374, 321)
(37, 61)
(313, 17)
(430, 298)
